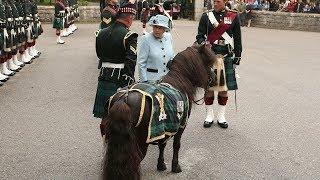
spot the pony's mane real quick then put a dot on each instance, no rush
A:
(189, 70)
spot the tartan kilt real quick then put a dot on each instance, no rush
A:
(58, 23)
(105, 90)
(230, 74)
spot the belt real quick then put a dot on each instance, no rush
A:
(152, 70)
(112, 65)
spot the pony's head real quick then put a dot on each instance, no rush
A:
(195, 63)
(191, 68)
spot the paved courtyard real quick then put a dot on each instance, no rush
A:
(47, 130)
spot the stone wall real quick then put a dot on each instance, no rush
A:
(264, 19)
(284, 20)
(87, 13)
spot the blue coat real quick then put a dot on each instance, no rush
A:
(153, 56)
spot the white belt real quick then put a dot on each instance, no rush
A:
(112, 65)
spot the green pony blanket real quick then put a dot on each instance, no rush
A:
(169, 112)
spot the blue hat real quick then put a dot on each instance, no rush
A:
(160, 20)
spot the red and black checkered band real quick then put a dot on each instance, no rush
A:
(128, 8)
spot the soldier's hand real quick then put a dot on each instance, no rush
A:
(236, 60)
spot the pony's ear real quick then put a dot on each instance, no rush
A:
(207, 54)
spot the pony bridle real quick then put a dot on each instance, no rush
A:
(211, 83)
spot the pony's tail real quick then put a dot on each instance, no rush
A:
(121, 161)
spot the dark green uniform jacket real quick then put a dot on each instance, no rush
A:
(205, 27)
(115, 44)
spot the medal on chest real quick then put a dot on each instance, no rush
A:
(227, 20)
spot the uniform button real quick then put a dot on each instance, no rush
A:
(164, 70)
(162, 48)
(164, 63)
(164, 55)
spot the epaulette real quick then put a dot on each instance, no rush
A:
(130, 33)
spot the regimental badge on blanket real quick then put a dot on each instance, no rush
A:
(180, 109)
(160, 98)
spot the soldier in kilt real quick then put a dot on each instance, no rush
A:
(9, 45)
(108, 14)
(36, 30)
(58, 22)
(13, 21)
(13, 62)
(30, 29)
(4, 73)
(73, 14)
(145, 15)
(221, 28)
(116, 49)
(20, 34)
(66, 30)
(26, 31)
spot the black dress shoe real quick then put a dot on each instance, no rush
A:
(29, 62)
(11, 74)
(207, 124)
(223, 125)
(4, 80)
(1, 83)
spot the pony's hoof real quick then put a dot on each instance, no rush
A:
(161, 166)
(176, 168)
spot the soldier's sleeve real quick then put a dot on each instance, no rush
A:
(98, 45)
(202, 29)
(143, 52)
(130, 41)
(237, 38)
(107, 16)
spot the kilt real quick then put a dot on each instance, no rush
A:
(105, 90)
(231, 80)
(58, 23)
(230, 74)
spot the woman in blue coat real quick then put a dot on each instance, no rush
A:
(155, 50)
